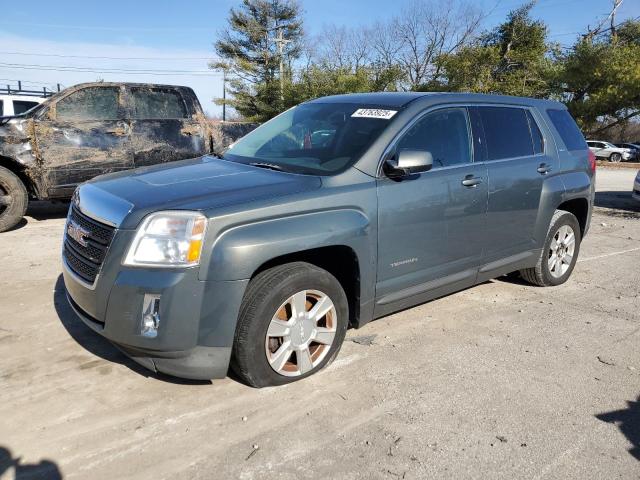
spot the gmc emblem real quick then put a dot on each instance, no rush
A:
(78, 233)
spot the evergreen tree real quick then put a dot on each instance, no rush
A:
(511, 59)
(250, 51)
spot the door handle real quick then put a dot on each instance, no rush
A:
(471, 181)
(120, 129)
(117, 131)
(543, 168)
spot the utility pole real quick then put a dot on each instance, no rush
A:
(281, 42)
(224, 95)
(616, 5)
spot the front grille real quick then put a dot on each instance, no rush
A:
(86, 260)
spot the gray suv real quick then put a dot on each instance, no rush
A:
(338, 211)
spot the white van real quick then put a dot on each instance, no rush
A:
(17, 104)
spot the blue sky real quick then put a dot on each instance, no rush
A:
(170, 35)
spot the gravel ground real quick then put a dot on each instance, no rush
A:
(503, 380)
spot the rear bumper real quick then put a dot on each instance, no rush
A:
(197, 319)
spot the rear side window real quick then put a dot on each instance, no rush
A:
(93, 103)
(21, 106)
(536, 134)
(157, 104)
(506, 132)
(567, 129)
(444, 133)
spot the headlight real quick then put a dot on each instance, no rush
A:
(168, 239)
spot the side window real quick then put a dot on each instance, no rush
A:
(536, 134)
(21, 106)
(506, 132)
(93, 103)
(444, 133)
(567, 129)
(157, 104)
(1, 108)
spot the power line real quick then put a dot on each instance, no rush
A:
(103, 57)
(109, 28)
(69, 68)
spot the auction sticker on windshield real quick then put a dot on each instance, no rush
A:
(373, 113)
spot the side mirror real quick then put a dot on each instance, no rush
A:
(408, 162)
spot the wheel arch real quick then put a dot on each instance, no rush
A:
(579, 207)
(21, 172)
(341, 261)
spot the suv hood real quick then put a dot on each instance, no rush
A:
(204, 183)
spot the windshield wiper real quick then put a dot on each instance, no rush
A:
(269, 166)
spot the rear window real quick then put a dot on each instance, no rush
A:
(507, 132)
(158, 104)
(567, 129)
(21, 106)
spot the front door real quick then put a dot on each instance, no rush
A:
(83, 135)
(431, 225)
(517, 166)
(164, 127)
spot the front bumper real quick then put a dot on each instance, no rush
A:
(197, 318)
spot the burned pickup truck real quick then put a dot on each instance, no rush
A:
(96, 128)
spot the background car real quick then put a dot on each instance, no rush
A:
(17, 104)
(608, 151)
(635, 149)
(95, 128)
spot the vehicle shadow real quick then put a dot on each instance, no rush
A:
(42, 211)
(47, 210)
(617, 200)
(99, 346)
(23, 471)
(628, 421)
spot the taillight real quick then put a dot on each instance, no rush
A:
(592, 161)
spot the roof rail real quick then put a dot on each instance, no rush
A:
(44, 92)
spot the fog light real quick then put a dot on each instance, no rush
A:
(150, 316)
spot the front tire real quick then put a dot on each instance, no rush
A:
(615, 158)
(559, 254)
(292, 322)
(13, 199)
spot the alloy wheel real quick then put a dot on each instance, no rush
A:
(561, 251)
(301, 333)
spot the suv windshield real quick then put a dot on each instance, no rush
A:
(314, 138)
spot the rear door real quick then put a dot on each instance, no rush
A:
(165, 126)
(82, 135)
(517, 163)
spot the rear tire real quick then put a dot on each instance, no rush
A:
(615, 157)
(14, 199)
(559, 254)
(280, 337)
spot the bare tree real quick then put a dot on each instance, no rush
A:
(429, 29)
(411, 42)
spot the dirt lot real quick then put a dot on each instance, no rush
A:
(503, 380)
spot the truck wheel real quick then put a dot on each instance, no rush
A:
(615, 157)
(559, 254)
(292, 323)
(13, 199)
